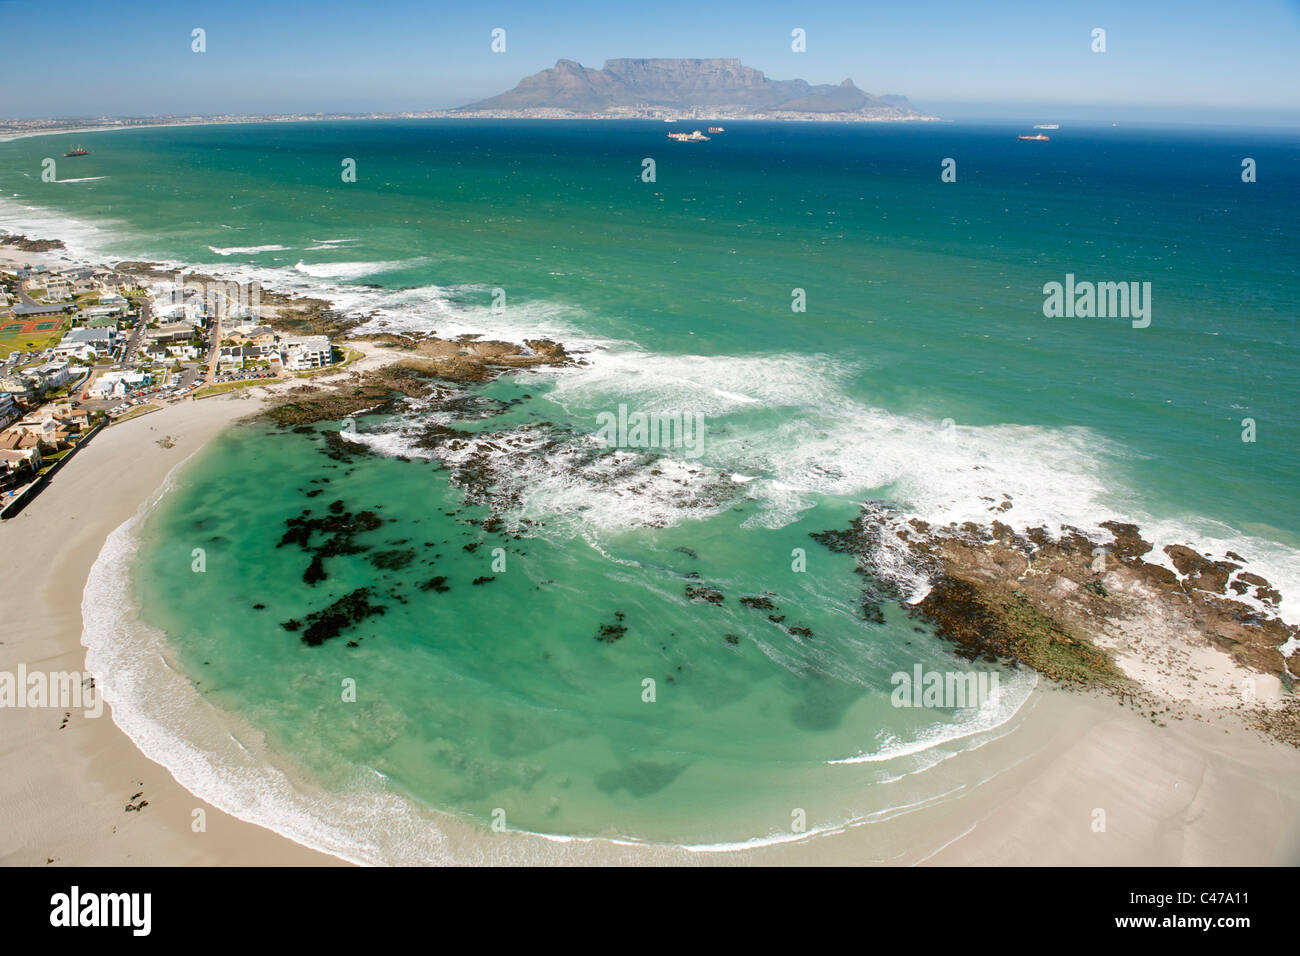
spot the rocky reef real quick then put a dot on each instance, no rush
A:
(425, 367)
(1082, 610)
(338, 528)
(331, 621)
(374, 390)
(24, 244)
(466, 358)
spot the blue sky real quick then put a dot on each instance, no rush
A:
(1184, 61)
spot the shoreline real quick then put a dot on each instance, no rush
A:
(65, 790)
(452, 115)
(1067, 755)
(85, 772)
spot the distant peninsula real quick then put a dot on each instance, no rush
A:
(670, 89)
(661, 89)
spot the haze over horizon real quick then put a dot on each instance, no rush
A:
(1017, 60)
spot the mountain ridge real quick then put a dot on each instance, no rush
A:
(653, 85)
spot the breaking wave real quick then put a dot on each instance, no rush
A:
(785, 430)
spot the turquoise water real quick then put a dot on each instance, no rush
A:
(924, 303)
(499, 695)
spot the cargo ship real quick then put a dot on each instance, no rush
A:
(695, 136)
(77, 151)
(1039, 138)
(1047, 126)
(717, 129)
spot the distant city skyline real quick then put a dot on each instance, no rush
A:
(1194, 61)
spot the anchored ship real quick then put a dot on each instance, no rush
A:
(1039, 138)
(1047, 126)
(695, 136)
(717, 129)
(77, 151)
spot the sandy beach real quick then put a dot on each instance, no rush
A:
(1199, 791)
(64, 790)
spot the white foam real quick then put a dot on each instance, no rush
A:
(786, 423)
(1003, 703)
(786, 426)
(351, 270)
(327, 244)
(247, 250)
(82, 239)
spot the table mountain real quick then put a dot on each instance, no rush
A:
(684, 84)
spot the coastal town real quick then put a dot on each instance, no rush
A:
(84, 346)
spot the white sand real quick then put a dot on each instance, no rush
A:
(62, 792)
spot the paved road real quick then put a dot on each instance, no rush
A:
(137, 333)
(216, 351)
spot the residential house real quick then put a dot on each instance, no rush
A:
(76, 341)
(169, 332)
(51, 375)
(13, 460)
(113, 311)
(118, 384)
(305, 351)
(241, 356)
(26, 443)
(102, 321)
(253, 334)
(44, 428)
(18, 386)
(58, 290)
(56, 420)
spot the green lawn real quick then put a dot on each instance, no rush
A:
(28, 342)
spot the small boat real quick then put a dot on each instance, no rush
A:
(1040, 138)
(77, 151)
